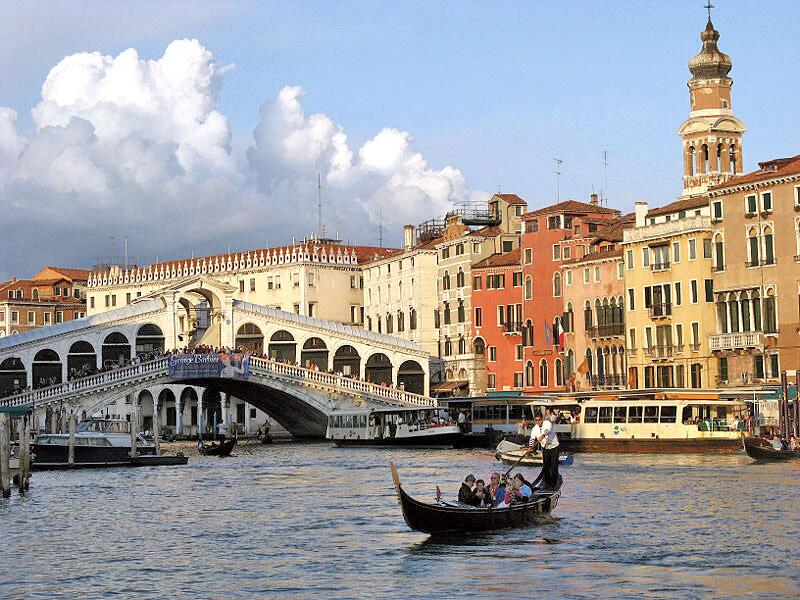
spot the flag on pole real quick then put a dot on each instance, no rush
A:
(548, 333)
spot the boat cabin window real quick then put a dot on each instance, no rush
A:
(517, 412)
(620, 414)
(605, 414)
(669, 414)
(651, 414)
(591, 415)
(635, 414)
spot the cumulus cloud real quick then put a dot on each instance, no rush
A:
(124, 145)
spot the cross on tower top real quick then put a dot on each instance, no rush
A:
(709, 6)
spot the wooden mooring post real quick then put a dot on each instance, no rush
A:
(134, 428)
(71, 449)
(156, 428)
(5, 455)
(24, 470)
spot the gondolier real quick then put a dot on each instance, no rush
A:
(544, 435)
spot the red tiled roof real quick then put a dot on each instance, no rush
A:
(573, 206)
(679, 205)
(778, 167)
(509, 259)
(74, 274)
(488, 231)
(511, 198)
(613, 233)
(592, 256)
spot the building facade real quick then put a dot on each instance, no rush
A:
(756, 237)
(496, 319)
(553, 235)
(46, 299)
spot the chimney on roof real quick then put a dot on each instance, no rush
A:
(409, 237)
(640, 210)
(593, 200)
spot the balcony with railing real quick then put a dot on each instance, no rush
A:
(660, 266)
(660, 311)
(742, 340)
(764, 262)
(606, 381)
(606, 331)
(663, 352)
(513, 328)
(717, 268)
(667, 229)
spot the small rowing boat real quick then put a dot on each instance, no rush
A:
(510, 453)
(761, 450)
(452, 517)
(224, 448)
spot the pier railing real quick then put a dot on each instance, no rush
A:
(258, 366)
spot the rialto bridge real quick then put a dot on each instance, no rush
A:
(301, 369)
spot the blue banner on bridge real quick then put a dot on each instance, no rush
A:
(209, 366)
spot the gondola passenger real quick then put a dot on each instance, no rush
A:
(525, 491)
(465, 491)
(481, 496)
(496, 489)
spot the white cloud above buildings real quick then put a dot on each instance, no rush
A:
(128, 146)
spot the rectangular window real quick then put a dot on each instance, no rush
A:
(128, 298)
(241, 285)
(707, 248)
(620, 270)
(2, 316)
(774, 370)
(631, 299)
(645, 257)
(14, 317)
(709, 290)
(517, 279)
(632, 339)
(478, 317)
(605, 414)
(596, 274)
(508, 245)
(353, 283)
(669, 414)
(108, 300)
(59, 317)
(556, 252)
(253, 282)
(751, 206)
(32, 317)
(476, 282)
(591, 414)
(678, 300)
(492, 353)
(519, 352)
(529, 254)
(629, 255)
(695, 336)
(554, 222)
(693, 286)
(491, 381)
(518, 379)
(532, 226)
(501, 315)
(113, 299)
(91, 301)
(676, 252)
(766, 201)
(679, 336)
(568, 276)
(586, 276)
(47, 318)
(723, 368)
(567, 252)
(692, 249)
(716, 210)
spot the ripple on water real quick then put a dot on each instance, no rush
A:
(301, 520)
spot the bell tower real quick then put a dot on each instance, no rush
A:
(712, 135)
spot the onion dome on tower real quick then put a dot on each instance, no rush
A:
(710, 62)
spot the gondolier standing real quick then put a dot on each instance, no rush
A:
(544, 435)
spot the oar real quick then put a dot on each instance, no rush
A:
(518, 461)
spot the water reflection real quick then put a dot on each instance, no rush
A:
(297, 521)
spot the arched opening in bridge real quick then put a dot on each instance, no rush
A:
(250, 339)
(13, 376)
(116, 350)
(81, 360)
(149, 340)
(189, 417)
(411, 377)
(146, 406)
(378, 369)
(314, 354)
(347, 361)
(46, 368)
(166, 399)
(282, 347)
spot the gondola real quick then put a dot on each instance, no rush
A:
(449, 518)
(760, 450)
(224, 448)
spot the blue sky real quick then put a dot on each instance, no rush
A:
(495, 89)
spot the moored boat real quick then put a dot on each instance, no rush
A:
(453, 518)
(223, 448)
(761, 450)
(510, 453)
(393, 427)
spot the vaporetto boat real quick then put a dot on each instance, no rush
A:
(424, 428)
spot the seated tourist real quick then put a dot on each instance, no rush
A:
(794, 443)
(465, 491)
(496, 489)
(777, 443)
(525, 490)
(481, 496)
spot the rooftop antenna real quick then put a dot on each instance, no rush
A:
(320, 226)
(499, 188)
(126, 252)
(558, 178)
(380, 226)
(605, 176)
(113, 247)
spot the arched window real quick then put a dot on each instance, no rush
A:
(480, 346)
(690, 165)
(462, 345)
(401, 324)
(770, 312)
(753, 250)
(732, 158)
(389, 324)
(448, 347)
(733, 312)
(528, 288)
(558, 372)
(35, 294)
(529, 374)
(744, 305)
(543, 373)
(557, 284)
(412, 319)
(569, 321)
(705, 158)
(446, 281)
(587, 316)
(769, 246)
(460, 278)
(589, 362)
(719, 252)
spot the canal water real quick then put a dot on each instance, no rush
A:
(303, 521)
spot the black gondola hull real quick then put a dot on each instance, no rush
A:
(222, 449)
(758, 450)
(440, 519)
